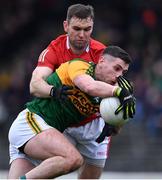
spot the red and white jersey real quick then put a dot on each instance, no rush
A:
(58, 52)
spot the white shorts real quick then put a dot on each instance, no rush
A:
(84, 137)
(28, 124)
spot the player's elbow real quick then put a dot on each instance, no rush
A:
(34, 83)
(31, 89)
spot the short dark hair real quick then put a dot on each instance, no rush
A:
(80, 11)
(118, 52)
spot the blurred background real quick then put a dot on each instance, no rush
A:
(28, 26)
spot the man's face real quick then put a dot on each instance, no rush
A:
(79, 32)
(109, 68)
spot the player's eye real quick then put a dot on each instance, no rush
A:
(79, 29)
(76, 28)
(87, 29)
(117, 68)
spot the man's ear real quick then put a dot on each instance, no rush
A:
(65, 25)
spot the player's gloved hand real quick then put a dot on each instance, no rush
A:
(61, 93)
(107, 131)
(127, 102)
(125, 83)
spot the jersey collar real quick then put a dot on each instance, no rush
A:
(68, 45)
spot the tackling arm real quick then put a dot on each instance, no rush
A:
(92, 87)
(38, 85)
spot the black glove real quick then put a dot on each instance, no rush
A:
(127, 103)
(107, 131)
(125, 83)
(61, 93)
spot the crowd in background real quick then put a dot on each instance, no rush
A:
(28, 26)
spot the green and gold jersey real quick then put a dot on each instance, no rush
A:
(79, 105)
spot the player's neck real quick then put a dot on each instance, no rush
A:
(77, 51)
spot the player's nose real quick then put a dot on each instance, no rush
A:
(81, 33)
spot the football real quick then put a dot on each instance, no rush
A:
(107, 111)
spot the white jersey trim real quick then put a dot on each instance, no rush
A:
(42, 55)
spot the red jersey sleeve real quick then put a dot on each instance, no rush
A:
(48, 58)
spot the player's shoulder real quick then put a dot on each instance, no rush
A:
(79, 63)
(96, 45)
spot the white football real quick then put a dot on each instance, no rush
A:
(107, 111)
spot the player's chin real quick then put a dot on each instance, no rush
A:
(81, 44)
(81, 47)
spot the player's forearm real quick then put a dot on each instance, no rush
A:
(40, 88)
(101, 89)
(93, 87)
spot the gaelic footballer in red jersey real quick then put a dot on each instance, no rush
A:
(59, 52)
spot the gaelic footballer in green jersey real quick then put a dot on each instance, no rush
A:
(80, 105)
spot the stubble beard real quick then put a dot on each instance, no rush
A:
(79, 46)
